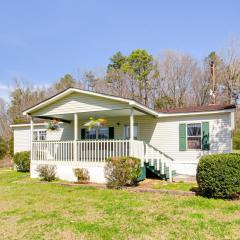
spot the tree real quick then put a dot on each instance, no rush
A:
(231, 70)
(91, 80)
(65, 82)
(115, 77)
(116, 62)
(164, 102)
(138, 66)
(3, 148)
(177, 72)
(4, 120)
(22, 97)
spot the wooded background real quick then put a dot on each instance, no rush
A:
(170, 80)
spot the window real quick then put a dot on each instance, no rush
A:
(42, 135)
(100, 133)
(91, 134)
(35, 135)
(127, 131)
(39, 135)
(194, 136)
(103, 133)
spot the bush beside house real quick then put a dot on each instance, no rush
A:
(81, 174)
(47, 172)
(122, 171)
(218, 175)
(22, 161)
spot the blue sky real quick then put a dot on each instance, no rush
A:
(42, 40)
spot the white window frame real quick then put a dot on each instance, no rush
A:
(37, 132)
(97, 133)
(193, 149)
(136, 131)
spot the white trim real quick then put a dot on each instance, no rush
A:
(232, 120)
(26, 125)
(193, 149)
(128, 125)
(72, 90)
(195, 113)
(131, 103)
(38, 134)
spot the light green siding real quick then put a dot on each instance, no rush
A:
(79, 102)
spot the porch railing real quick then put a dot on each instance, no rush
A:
(97, 151)
(87, 150)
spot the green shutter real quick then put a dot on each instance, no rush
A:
(83, 131)
(111, 132)
(182, 137)
(205, 136)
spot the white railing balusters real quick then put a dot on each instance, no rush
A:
(90, 151)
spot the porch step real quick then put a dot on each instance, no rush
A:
(157, 173)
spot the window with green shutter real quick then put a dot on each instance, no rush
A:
(182, 137)
(205, 136)
(194, 136)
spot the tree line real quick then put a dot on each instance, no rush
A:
(170, 80)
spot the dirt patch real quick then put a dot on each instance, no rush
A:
(145, 186)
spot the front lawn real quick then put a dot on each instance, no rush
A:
(33, 210)
(182, 186)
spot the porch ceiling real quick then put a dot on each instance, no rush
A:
(98, 114)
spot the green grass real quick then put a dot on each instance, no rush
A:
(183, 186)
(33, 210)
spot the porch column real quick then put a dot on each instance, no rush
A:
(75, 136)
(131, 125)
(31, 137)
(131, 132)
(75, 126)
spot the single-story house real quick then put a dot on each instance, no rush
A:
(167, 142)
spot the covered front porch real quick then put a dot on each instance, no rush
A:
(80, 147)
(80, 143)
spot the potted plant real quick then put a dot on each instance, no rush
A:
(53, 125)
(95, 123)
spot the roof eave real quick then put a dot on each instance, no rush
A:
(196, 113)
(71, 90)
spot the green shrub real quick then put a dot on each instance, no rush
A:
(22, 161)
(11, 146)
(236, 140)
(3, 148)
(122, 171)
(47, 172)
(218, 175)
(81, 174)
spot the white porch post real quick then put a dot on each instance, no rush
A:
(75, 136)
(131, 131)
(31, 137)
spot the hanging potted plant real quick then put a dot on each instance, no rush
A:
(53, 125)
(95, 123)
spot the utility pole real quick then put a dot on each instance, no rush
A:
(213, 92)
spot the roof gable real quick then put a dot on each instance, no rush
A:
(68, 102)
(79, 103)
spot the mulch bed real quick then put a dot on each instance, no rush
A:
(133, 189)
